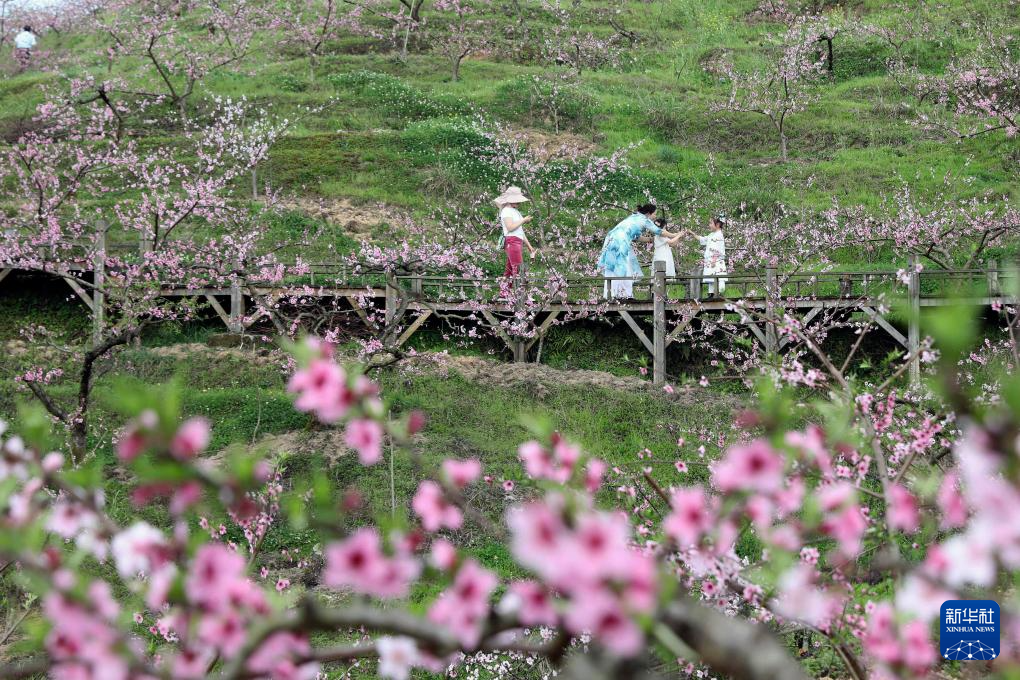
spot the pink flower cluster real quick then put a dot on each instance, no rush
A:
(84, 641)
(145, 433)
(463, 607)
(324, 389)
(359, 564)
(906, 646)
(589, 559)
(555, 464)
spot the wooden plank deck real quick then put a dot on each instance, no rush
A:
(425, 295)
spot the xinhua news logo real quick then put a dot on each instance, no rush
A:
(969, 630)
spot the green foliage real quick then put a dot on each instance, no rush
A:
(296, 227)
(395, 97)
(435, 139)
(290, 83)
(859, 58)
(550, 102)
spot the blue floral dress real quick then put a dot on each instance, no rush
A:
(618, 257)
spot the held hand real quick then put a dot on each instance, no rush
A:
(533, 254)
(527, 219)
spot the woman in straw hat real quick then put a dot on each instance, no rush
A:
(514, 238)
(617, 261)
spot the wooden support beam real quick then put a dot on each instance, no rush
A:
(914, 321)
(674, 334)
(541, 331)
(994, 289)
(356, 306)
(694, 285)
(99, 282)
(804, 323)
(885, 325)
(772, 294)
(77, 288)
(757, 332)
(4, 273)
(236, 324)
(415, 325)
(391, 300)
(494, 322)
(280, 328)
(266, 311)
(637, 330)
(519, 347)
(218, 308)
(659, 324)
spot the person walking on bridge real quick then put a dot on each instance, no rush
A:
(618, 262)
(514, 239)
(24, 43)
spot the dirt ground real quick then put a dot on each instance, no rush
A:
(541, 377)
(359, 221)
(548, 145)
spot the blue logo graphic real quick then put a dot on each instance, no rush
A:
(969, 630)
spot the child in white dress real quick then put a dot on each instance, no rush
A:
(715, 255)
(664, 249)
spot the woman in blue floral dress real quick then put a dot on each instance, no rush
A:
(618, 258)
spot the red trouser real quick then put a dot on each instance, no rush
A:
(514, 260)
(514, 256)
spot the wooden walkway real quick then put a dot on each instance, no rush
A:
(671, 304)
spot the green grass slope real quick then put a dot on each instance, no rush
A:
(366, 143)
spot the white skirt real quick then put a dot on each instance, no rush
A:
(664, 254)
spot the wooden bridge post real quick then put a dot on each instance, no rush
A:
(98, 283)
(914, 321)
(771, 293)
(993, 279)
(236, 301)
(659, 323)
(694, 284)
(144, 244)
(520, 345)
(391, 299)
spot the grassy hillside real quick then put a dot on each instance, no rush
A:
(381, 134)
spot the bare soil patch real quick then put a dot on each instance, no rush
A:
(540, 378)
(363, 222)
(548, 145)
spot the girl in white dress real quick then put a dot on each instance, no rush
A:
(715, 255)
(664, 249)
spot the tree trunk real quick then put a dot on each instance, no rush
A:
(79, 440)
(183, 110)
(78, 424)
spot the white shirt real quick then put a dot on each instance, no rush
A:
(715, 252)
(24, 40)
(511, 214)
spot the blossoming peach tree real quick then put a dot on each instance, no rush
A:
(827, 520)
(95, 201)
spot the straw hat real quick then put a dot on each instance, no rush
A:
(511, 195)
